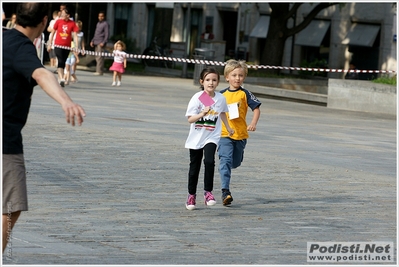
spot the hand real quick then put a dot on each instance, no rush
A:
(251, 128)
(91, 44)
(231, 131)
(73, 110)
(205, 110)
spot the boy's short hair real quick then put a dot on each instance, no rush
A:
(233, 64)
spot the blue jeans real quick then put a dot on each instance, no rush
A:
(231, 154)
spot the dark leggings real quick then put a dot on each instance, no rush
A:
(62, 55)
(208, 151)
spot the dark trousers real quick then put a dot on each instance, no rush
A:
(208, 152)
(62, 55)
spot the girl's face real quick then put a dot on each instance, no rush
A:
(119, 47)
(236, 78)
(210, 82)
(14, 18)
(64, 15)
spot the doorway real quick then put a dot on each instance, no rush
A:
(229, 19)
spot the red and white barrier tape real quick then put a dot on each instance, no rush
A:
(219, 63)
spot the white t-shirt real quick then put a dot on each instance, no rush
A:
(119, 56)
(52, 22)
(208, 128)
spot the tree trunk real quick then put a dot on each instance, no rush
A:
(274, 47)
(273, 51)
(278, 33)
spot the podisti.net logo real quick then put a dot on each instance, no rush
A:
(372, 252)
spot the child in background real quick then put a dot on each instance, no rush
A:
(53, 57)
(205, 128)
(12, 22)
(231, 148)
(73, 58)
(119, 64)
(81, 46)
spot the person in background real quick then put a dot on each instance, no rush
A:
(72, 59)
(99, 41)
(62, 7)
(53, 57)
(11, 23)
(63, 31)
(82, 47)
(22, 71)
(352, 75)
(119, 64)
(207, 35)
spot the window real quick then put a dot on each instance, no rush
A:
(122, 12)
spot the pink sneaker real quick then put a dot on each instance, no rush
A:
(209, 198)
(190, 204)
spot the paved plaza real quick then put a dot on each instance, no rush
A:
(113, 190)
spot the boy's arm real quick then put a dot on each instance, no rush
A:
(255, 118)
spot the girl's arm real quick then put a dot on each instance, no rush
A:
(124, 62)
(194, 118)
(226, 123)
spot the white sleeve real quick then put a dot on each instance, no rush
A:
(192, 108)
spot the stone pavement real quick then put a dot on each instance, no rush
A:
(113, 190)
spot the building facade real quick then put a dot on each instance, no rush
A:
(363, 33)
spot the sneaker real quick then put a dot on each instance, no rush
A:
(118, 84)
(190, 204)
(113, 84)
(226, 197)
(209, 198)
(62, 83)
(97, 73)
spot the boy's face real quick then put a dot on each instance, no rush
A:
(236, 78)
